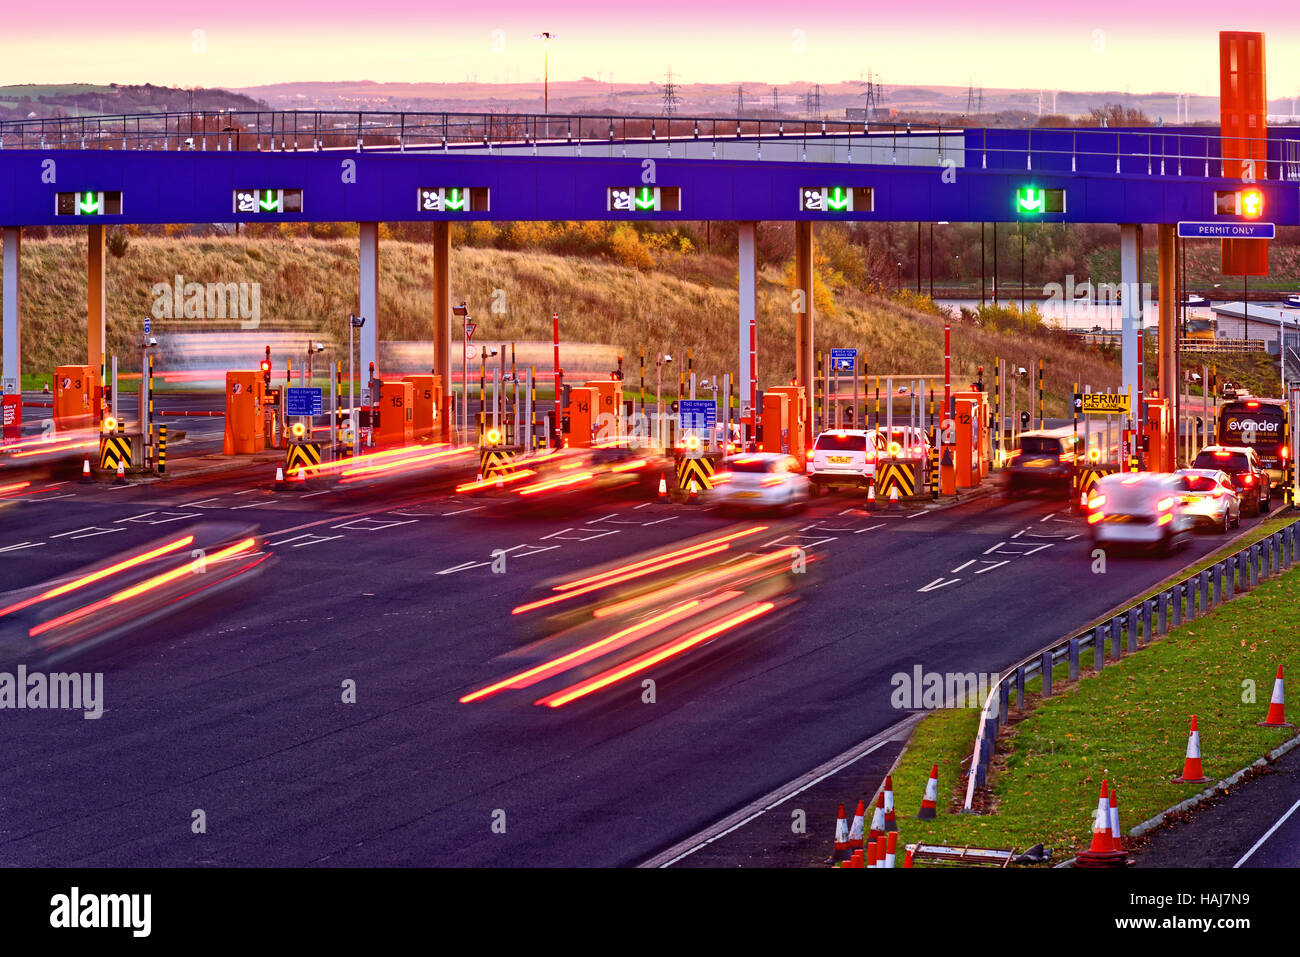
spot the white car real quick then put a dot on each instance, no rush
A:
(842, 457)
(900, 442)
(759, 480)
(1211, 499)
(1140, 508)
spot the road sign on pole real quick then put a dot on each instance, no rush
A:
(469, 329)
(697, 415)
(844, 359)
(1104, 403)
(304, 401)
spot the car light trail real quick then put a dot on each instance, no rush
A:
(49, 449)
(568, 480)
(727, 571)
(495, 481)
(352, 475)
(189, 568)
(16, 487)
(597, 648)
(100, 575)
(652, 658)
(659, 558)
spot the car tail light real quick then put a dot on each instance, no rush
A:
(721, 478)
(1221, 455)
(1014, 453)
(1248, 479)
(1165, 504)
(1164, 519)
(1097, 501)
(1096, 517)
(772, 481)
(1252, 405)
(871, 455)
(1285, 452)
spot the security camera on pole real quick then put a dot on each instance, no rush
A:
(354, 322)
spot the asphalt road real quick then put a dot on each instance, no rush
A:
(234, 707)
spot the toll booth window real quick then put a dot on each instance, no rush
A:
(1038, 445)
(831, 442)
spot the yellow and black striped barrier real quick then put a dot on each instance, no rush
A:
(300, 456)
(114, 448)
(496, 461)
(1086, 479)
(695, 474)
(896, 474)
(162, 449)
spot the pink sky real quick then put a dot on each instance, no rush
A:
(1165, 45)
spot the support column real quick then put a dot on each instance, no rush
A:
(1167, 271)
(96, 298)
(442, 319)
(747, 341)
(369, 307)
(803, 333)
(12, 343)
(1130, 274)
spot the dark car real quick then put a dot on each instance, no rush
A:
(1246, 471)
(1045, 459)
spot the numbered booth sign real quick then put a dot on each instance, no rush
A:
(396, 424)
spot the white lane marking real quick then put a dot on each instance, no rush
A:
(1019, 533)
(961, 566)
(21, 545)
(102, 531)
(1267, 834)
(378, 526)
(88, 528)
(324, 491)
(1038, 549)
(642, 505)
(536, 551)
(556, 534)
(172, 517)
(606, 518)
(461, 511)
(991, 567)
(463, 567)
(913, 514)
(202, 503)
(1071, 538)
(657, 521)
(870, 528)
(939, 583)
(247, 491)
(600, 533)
(318, 539)
(1047, 517)
(994, 548)
(51, 498)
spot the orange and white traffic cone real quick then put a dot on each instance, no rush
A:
(893, 496)
(872, 859)
(857, 862)
(907, 857)
(120, 477)
(1277, 705)
(279, 476)
(871, 494)
(1116, 839)
(663, 487)
(930, 803)
(859, 822)
(882, 849)
(1192, 771)
(878, 818)
(300, 475)
(891, 849)
(1101, 843)
(890, 823)
(841, 836)
(85, 470)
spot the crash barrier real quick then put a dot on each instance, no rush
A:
(695, 473)
(162, 449)
(116, 448)
(1127, 630)
(905, 476)
(301, 456)
(496, 461)
(1085, 480)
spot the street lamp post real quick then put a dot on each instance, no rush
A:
(546, 37)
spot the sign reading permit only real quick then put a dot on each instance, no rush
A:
(1106, 403)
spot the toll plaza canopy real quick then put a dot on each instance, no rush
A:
(340, 167)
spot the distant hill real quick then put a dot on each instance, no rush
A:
(86, 99)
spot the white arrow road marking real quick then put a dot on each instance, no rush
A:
(939, 583)
(462, 567)
(20, 546)
(963, 565)
(991, 567)
(994, 548)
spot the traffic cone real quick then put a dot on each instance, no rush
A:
(46, 390)
(907, 858)
(1192, 772)
(882, 847)
(857, 861)
(85, 470)
(878, 818)
(890, 823)
(841, 836)
(1277, 705)
(120, 477)
(893, 496)
(1101, 843)
(871, 494)
(871, 854)
(859, 819)
(300, 475)
(1083, 501)
(891, 849)
(930, 803)
(663, 487)
(1116, 840)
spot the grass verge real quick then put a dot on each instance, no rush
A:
(1127, 723)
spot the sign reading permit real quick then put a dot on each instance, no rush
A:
(1106, 403)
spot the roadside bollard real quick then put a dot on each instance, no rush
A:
(1117, 637)
(1020, 688)
(1132, 629)
(1004, 700)
(1216, 580)
(1045, 666)
(162, 449)
(1162, 606)
(1190, 590)
(1229, 577)
(1254, 562)
(1099, 648)
(1074, 659)
(1147, 635)
(1176, 596)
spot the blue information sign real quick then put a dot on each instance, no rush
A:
(303, 401)
(844, 359)
(697, 415)
(146, 325)
(1227, 230)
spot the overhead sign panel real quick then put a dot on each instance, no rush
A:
(835, 199)
(452, 199)
(643, 199)
(1103, 403)
(1227, 230)
(88, 203)
(267, 201)
(1036, 201)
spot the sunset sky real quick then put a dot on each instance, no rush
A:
(1153, 45)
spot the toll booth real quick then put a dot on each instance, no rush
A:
(776, 422)
(580, 419)
(1159, 437)
(973, 453)
(426, 400)
(76, 397)
(396, 425)
(607, 403)
(795, 422)
(245, 424)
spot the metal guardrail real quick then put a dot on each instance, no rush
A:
(1223, 345)
(1127, 631)
(1157, 150)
